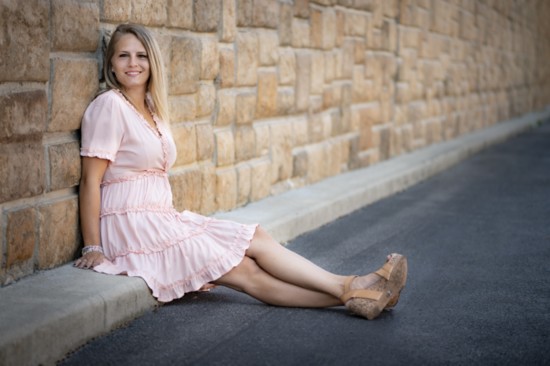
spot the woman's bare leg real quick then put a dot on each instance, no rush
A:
(248, 277)
(292, 268)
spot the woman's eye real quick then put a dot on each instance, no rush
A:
(143, 56)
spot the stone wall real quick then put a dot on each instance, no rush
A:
(265, 95)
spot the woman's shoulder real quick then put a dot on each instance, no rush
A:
(108, 96)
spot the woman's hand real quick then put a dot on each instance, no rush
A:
(89, 260)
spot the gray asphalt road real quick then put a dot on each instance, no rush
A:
(478, 241)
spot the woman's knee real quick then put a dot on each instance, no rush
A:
(242, 276)
(260, 241)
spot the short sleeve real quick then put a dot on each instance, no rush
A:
(102, 127)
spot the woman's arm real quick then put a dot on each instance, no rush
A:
(93, 170)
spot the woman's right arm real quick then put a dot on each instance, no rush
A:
(93, 170)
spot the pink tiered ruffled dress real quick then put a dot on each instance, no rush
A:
(141, 232)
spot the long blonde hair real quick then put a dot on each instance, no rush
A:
(156, 85)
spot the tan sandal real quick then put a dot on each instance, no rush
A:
(395, 297)
(369, 302)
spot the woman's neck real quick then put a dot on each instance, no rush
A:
(136, 97)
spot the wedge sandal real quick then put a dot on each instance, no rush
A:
(384, 293)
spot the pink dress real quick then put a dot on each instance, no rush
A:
(141, 232)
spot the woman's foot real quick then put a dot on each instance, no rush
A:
(368, 295)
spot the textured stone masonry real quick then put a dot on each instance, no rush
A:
(264, 95)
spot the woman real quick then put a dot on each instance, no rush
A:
(129, 225)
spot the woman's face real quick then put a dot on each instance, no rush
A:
(130, 63)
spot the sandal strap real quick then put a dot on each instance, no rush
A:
(348, 282)
(385, 270)
(364, 294)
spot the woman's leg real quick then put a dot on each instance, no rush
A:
(292, 268)
(248, 277)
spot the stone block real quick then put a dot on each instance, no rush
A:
(340, 21)
(225, 147)
(324, 2)
(207, 15)
(226, 75)
(180, 13)
(206, 99)
(300, 135)
(286, 101)
(301, 9)
(285, 23)
(359, 84)
(408, 12)
(363, 124)
(229, 21)
(205, 141)
(359, 47)
(316, 128)
(265, 13)
(301, 33)
(266, 104)
(74, 84)
(330, 65)
(23, 113)
(287, 67)
(409, 37)
(263, 139)
(59, 235)
(186, 189)
(208, 192)
(299, 164)
(354, 24)
(244, 13)
(21, 236)
(183, 108)
(185, 65)
(269, 47)
(245, 143)
(390, 8)
(245, 107)
(209, 58)
(116, 10)
(24, 40)
(185, 138)
(225, 108)
(317, 73)
(316, 163)
(260, 182)
(303, 80)
(323, 28)
(247, 58)
(281, 151)
(75, 25)
(226, 188)
(149, 12)
(244, 183)
(64, 165)
(348, 59)
(21, 169)
(389, 35)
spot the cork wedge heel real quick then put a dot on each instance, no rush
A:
(370, 301)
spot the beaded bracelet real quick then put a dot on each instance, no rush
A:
(92, 248)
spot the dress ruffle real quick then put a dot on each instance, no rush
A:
(205, 255)
(174, 252)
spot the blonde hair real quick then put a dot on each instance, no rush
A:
(156, 85)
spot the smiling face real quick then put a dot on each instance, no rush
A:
(130, 63)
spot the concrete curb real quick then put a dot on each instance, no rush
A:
(51, 313)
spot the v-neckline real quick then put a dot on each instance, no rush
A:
(155, 129)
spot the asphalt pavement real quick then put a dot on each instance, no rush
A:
(477, 237)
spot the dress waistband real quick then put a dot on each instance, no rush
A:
(144, 174)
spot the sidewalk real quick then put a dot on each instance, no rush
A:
(46, 315)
